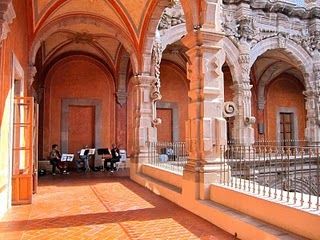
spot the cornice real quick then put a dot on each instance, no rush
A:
(287, 8)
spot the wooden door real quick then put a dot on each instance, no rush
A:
(22, 155)
(286, 129)
(165, 129)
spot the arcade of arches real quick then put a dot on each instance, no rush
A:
(97, 72)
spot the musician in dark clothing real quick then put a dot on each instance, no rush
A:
(55, 157)
(115, 156)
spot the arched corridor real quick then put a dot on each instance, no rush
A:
(214, 105)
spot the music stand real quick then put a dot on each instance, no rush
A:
(66, 157)
(104, 152)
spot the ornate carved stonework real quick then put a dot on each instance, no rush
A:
(229, 109)
(171, 16)
(32, 73)
(155, 93)
(7, 14)
(121, 97)
(254, 21)
(83, 37)
(285, 7)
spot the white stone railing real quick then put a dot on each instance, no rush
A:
(288, 173)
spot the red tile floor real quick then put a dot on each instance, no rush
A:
(101, 206)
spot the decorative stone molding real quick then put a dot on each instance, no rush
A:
(249, 120)
(7, 14)
(155, 94)
(229, 109)
(284, 7)
(32, 73)
(121, 97)
(254, 21)
(171, 16)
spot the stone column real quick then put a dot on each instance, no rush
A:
(206, 127)
(143, 129)
(312, 131)
(243, 130)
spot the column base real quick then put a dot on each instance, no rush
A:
(197, 180)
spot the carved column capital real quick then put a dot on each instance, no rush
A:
(142, 80)
(7, 14)
(121, 97)
(32, 74)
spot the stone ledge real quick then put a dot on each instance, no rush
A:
(268, 213)
(162, 183)
(267, 229)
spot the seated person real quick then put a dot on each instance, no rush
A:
(55, 161)
(115, 152)
(84, 157)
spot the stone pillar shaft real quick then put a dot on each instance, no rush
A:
(143, 129)
(243, 131)
(312, 131)
(206, 127)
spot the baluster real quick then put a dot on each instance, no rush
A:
(259, 162)
(249, 168)
(230, 149)
(276, 172)
(302, 163)
(264, 170)
(310, 180)
(295, 174)
(318, 177)
(282, 172)
(288, 174)
(269, 171)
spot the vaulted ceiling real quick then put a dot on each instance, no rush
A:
(107, 29)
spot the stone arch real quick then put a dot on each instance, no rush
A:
(269, 75)
(151, 28)
(173, 34)
(122, 76)
(301, 59)
(232, 57)
(112, 29)
(104, 133)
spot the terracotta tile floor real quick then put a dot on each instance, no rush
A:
(98, 206)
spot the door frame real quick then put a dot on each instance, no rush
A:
(294, 122)
(175, 118)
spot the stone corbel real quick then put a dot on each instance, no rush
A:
(121, 97)
(7, 14)
(32, 73)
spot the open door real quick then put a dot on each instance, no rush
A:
(22, 165)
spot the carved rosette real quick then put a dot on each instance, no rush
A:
(229, 109)
(155, 93)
